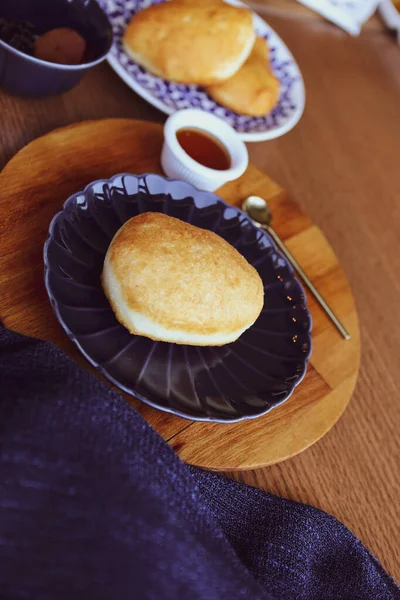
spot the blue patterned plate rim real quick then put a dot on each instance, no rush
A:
(169, 96)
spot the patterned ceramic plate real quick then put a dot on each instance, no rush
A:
(228, 383)
(169, 97)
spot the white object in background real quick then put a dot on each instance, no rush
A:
(390, 16)
(177, 164)
(347, 14)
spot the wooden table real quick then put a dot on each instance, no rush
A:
(341, 163)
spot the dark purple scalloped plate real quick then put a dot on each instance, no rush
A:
(238, 381)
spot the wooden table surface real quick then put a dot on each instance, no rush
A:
(341, 163)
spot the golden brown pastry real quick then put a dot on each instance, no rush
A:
(254, 89)
(187, 42)
(174, 282)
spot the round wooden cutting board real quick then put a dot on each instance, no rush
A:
(34, 185)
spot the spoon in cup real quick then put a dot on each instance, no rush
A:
(260, 213)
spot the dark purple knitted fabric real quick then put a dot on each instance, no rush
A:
(94, 505)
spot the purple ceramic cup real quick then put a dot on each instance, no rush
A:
(26, 75)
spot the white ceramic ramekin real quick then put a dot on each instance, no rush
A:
(179, 165)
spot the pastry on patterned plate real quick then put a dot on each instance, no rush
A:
(188, 42)
(171, 281)
(254, 89)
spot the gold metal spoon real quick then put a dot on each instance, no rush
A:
(260, 213)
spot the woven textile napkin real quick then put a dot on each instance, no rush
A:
(95, 505)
